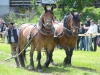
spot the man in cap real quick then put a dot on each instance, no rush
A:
(12, 35)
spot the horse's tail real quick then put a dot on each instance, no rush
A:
(20, 52)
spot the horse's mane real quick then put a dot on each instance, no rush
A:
(65, 23)
(75, 17)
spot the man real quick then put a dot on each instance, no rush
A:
(86, 27)
(12, 35)
(92, 30)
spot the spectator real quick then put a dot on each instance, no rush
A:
(93, 29)
(98, 38)
(16, 26)
(82, 38)
(2, 29)
(86, 27)
(12, 35)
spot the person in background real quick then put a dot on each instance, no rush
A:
(92, 30)
(12, 35)
(82, 38)
(98, 37)
(86, 27)
(16, 26)
(2, 30)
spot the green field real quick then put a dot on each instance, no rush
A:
(83, 63)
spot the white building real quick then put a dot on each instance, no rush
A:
(7, 6)
(4, 7)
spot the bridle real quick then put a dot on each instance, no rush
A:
(46, 25)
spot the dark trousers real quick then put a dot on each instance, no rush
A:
(94, 47)
(94, 42)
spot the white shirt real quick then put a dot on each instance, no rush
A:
(92, 29)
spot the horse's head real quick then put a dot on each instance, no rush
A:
(72, 20)
(47, 18)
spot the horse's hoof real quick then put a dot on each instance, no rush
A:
(64, 63)
(31, 68)
(69, 64)
(40, 70)
(52, 63)
(45, 66)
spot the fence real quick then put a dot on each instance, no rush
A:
(92, 34)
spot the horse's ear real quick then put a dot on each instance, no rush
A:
(52, 8)
(72, 13)
(80, 14)
(45, 7)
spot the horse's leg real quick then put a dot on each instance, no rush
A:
(39, 58)
(67, 51)
(21, 56)
(31, 58)
(70, 56)
(49, 58)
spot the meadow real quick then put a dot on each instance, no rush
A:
(83, 63)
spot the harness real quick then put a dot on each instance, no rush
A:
(29, 34)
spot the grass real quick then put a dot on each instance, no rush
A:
(83, 63)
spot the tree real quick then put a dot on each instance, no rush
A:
(76, 4)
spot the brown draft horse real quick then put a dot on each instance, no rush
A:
(44, 39)
(67, 32)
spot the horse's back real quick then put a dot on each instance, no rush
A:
(58, 27)
(24, 26)
(24, 31)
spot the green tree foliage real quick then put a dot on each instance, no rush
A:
(75, 4)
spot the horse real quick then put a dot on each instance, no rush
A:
(44, 31)
(67, 34)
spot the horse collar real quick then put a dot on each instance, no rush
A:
(45, 32)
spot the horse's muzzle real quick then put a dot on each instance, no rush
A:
(48, 26)
(75, 30)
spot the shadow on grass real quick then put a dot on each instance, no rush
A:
(58, 67)
(61, 68)
(84, 68)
